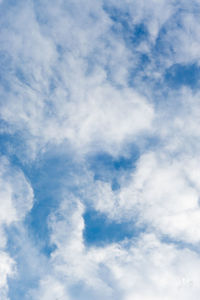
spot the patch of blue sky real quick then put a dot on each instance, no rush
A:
(132, 33)
(107, 168)
(51, 177)
(124, 25)
(48, 175)
(12, 145)
(180, 244)
(101, 231)
(179, 75)
(174, 78)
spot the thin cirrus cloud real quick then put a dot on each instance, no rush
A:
(99, 117)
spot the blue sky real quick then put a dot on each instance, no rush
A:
(99, 150)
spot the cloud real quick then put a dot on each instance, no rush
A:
(163, 192)
(16, 200)
(145, 268)
(16, 194)
(77, 102)
(7, 268)
(80, 80)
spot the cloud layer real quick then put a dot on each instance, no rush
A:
(99, 112)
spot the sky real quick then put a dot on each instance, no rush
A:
(99, 150)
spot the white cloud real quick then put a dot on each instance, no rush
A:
(16, 199)
(72, 93)
(163, 192)
(142, 269)
(7, 268)
(68, 75)
(15, 192)
(51, 289)
(84, 107)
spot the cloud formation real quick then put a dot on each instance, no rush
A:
(16, 200)
(99, 111)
